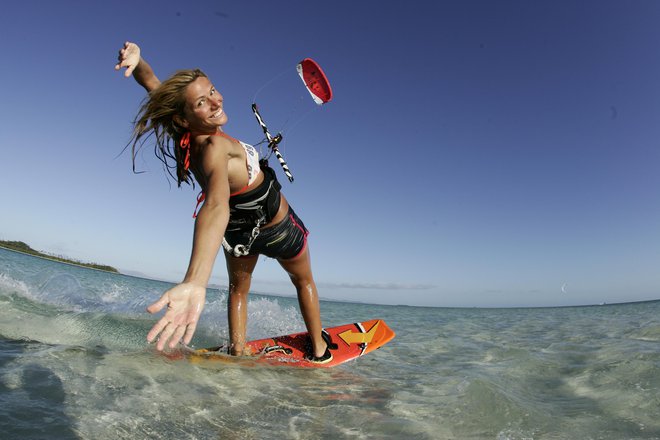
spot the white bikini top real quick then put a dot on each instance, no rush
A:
(252, 162)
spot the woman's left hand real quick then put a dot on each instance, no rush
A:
(184, 303)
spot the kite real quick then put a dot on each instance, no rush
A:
(317, 85)
(315, 80)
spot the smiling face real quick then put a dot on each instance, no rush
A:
(203, 112)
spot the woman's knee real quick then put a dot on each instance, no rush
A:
(239, 271)
(302, 281)
(240, 287)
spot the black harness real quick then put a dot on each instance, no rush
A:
(253, 209)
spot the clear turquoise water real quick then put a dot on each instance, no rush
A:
(74, 364)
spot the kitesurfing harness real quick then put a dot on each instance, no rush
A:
(258, 206)
(254, 209)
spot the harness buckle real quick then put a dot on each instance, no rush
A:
(241, 250)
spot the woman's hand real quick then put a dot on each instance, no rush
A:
(184, 303)
(129, 57)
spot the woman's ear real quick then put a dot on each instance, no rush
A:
(181, 121)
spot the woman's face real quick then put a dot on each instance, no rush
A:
(203, 111)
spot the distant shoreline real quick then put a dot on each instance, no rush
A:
(23, 248)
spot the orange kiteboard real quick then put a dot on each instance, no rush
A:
(351, 341)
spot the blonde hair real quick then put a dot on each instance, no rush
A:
(156, 118)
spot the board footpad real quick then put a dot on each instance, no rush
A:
(277, 349)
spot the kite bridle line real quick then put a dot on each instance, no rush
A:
(273, 141)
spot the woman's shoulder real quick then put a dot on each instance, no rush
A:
(204, 141)
(217, 137)
(214, 147)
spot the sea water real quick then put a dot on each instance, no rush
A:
(74, 364)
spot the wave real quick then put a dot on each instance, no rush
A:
(63, 308)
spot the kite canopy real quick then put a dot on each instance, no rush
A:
(315, 80)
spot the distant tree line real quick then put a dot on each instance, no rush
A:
(23, 247)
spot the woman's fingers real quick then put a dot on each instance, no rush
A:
(129, 57)
(165, 335)
(157, 328)
(190, 331)
(158, 305)
(177, 335)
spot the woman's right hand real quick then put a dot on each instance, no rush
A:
(184, 303)
(129, 57)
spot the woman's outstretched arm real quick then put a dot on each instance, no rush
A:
(185, 301)
(129, 57)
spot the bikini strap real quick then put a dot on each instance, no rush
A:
(200, 199)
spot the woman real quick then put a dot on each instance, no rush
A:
(242, 203)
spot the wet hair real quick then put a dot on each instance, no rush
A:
(156, 118)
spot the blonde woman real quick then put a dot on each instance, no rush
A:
(242, 202)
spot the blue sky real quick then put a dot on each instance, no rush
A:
(476, 153)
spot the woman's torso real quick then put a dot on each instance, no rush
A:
(241, 178)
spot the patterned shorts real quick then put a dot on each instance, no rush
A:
(282, 241)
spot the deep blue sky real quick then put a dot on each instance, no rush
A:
(477, 153)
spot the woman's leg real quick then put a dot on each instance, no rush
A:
(240, 276)
(299, 269)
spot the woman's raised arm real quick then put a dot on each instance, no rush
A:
(129, 57)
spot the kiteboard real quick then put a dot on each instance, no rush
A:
(347, 342)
